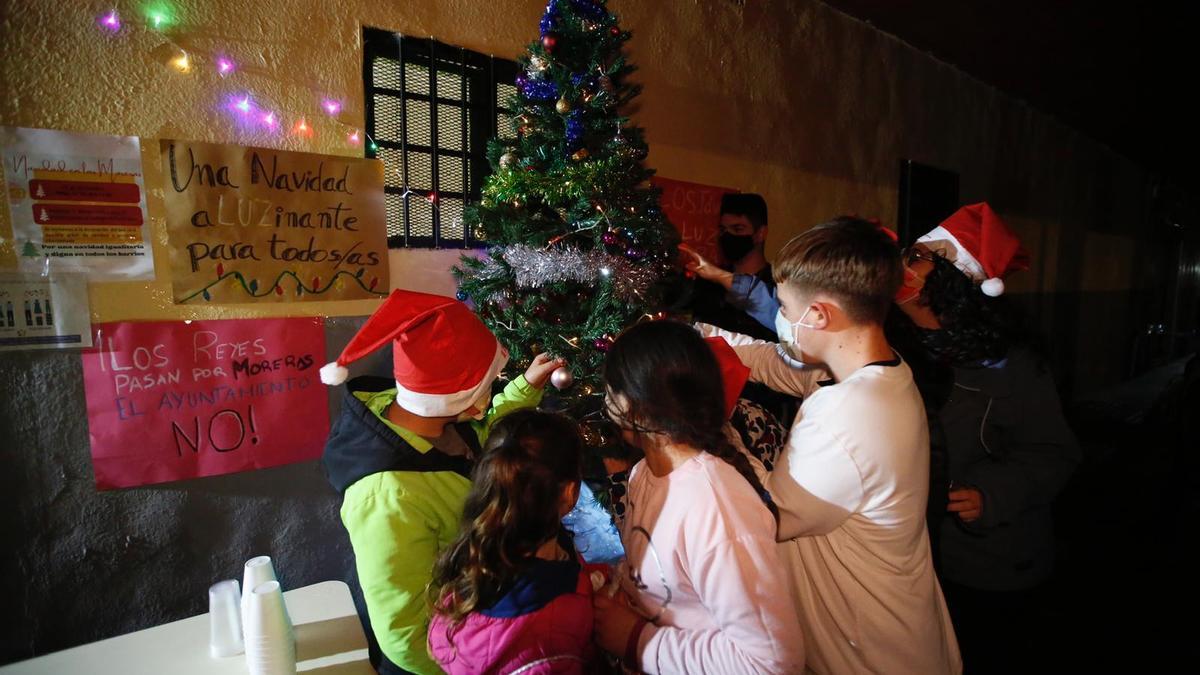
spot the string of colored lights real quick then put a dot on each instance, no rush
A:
(161, 18)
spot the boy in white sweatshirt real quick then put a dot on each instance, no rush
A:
(852, 485)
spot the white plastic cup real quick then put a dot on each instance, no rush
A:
(225, 619)
(270, 643)
(257, 571)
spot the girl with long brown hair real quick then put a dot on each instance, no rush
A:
(707, 592)
(510, 594)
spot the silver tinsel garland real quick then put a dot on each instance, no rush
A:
(535, 268)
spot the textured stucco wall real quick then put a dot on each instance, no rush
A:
(784, 97)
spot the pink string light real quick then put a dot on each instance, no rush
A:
(110, 21)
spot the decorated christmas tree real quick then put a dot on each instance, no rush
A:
(578, 247)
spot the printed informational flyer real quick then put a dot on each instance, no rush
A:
(78, 203)
(44, 312)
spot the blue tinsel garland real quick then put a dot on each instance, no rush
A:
(574, 129)
(549, 21)
(537, 90)
(589, 9)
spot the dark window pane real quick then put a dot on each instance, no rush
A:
(387, 118)
(450, 173)
(452, 224)
(420, 216)
(386, 73)
(450, 127)
(416, 79)
(420, 170)
(395, 215)
(412, 123)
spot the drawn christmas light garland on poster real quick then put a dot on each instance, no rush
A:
(318, 220)
(251, 286)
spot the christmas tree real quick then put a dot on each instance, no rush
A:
(579, 248)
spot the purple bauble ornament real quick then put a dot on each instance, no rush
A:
(609, 238)
(634, 253)
(601, 344)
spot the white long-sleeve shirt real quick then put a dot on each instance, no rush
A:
(701, 556)
(851, 488)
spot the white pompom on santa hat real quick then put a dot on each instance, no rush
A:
(980, 245)
(444, 359)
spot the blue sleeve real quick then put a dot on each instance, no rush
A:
(755, 298)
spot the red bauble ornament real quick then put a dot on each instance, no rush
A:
(614, 31)
(549, 42)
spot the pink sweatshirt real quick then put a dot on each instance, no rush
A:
(701, 555)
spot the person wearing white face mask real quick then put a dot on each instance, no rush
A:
(854, 478)
(788, 344)
(402, 450)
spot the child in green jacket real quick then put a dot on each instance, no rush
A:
(402, 450)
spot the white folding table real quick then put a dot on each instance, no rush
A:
(329, 640)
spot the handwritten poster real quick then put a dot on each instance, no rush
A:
(44, 312)
(694, 210)
(173, 400)
(78, 203)
(260, 225)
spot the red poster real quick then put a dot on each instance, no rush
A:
(173, 400)
(694, 210)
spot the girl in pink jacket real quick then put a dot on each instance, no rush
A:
(510, 594)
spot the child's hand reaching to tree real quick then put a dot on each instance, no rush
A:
(538, 373)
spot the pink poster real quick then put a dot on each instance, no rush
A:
(695, 210)
(173, 400)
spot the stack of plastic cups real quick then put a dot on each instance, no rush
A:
(257, 571)
(224, 619)
(270, 644)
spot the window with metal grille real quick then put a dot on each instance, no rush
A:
(430, 110)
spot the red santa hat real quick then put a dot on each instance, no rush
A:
(979, 244)
(733, 372)
(444, 358)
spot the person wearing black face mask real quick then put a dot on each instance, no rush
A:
(720, 296)
(741, 298)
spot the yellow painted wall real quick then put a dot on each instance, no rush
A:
(784, 97)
